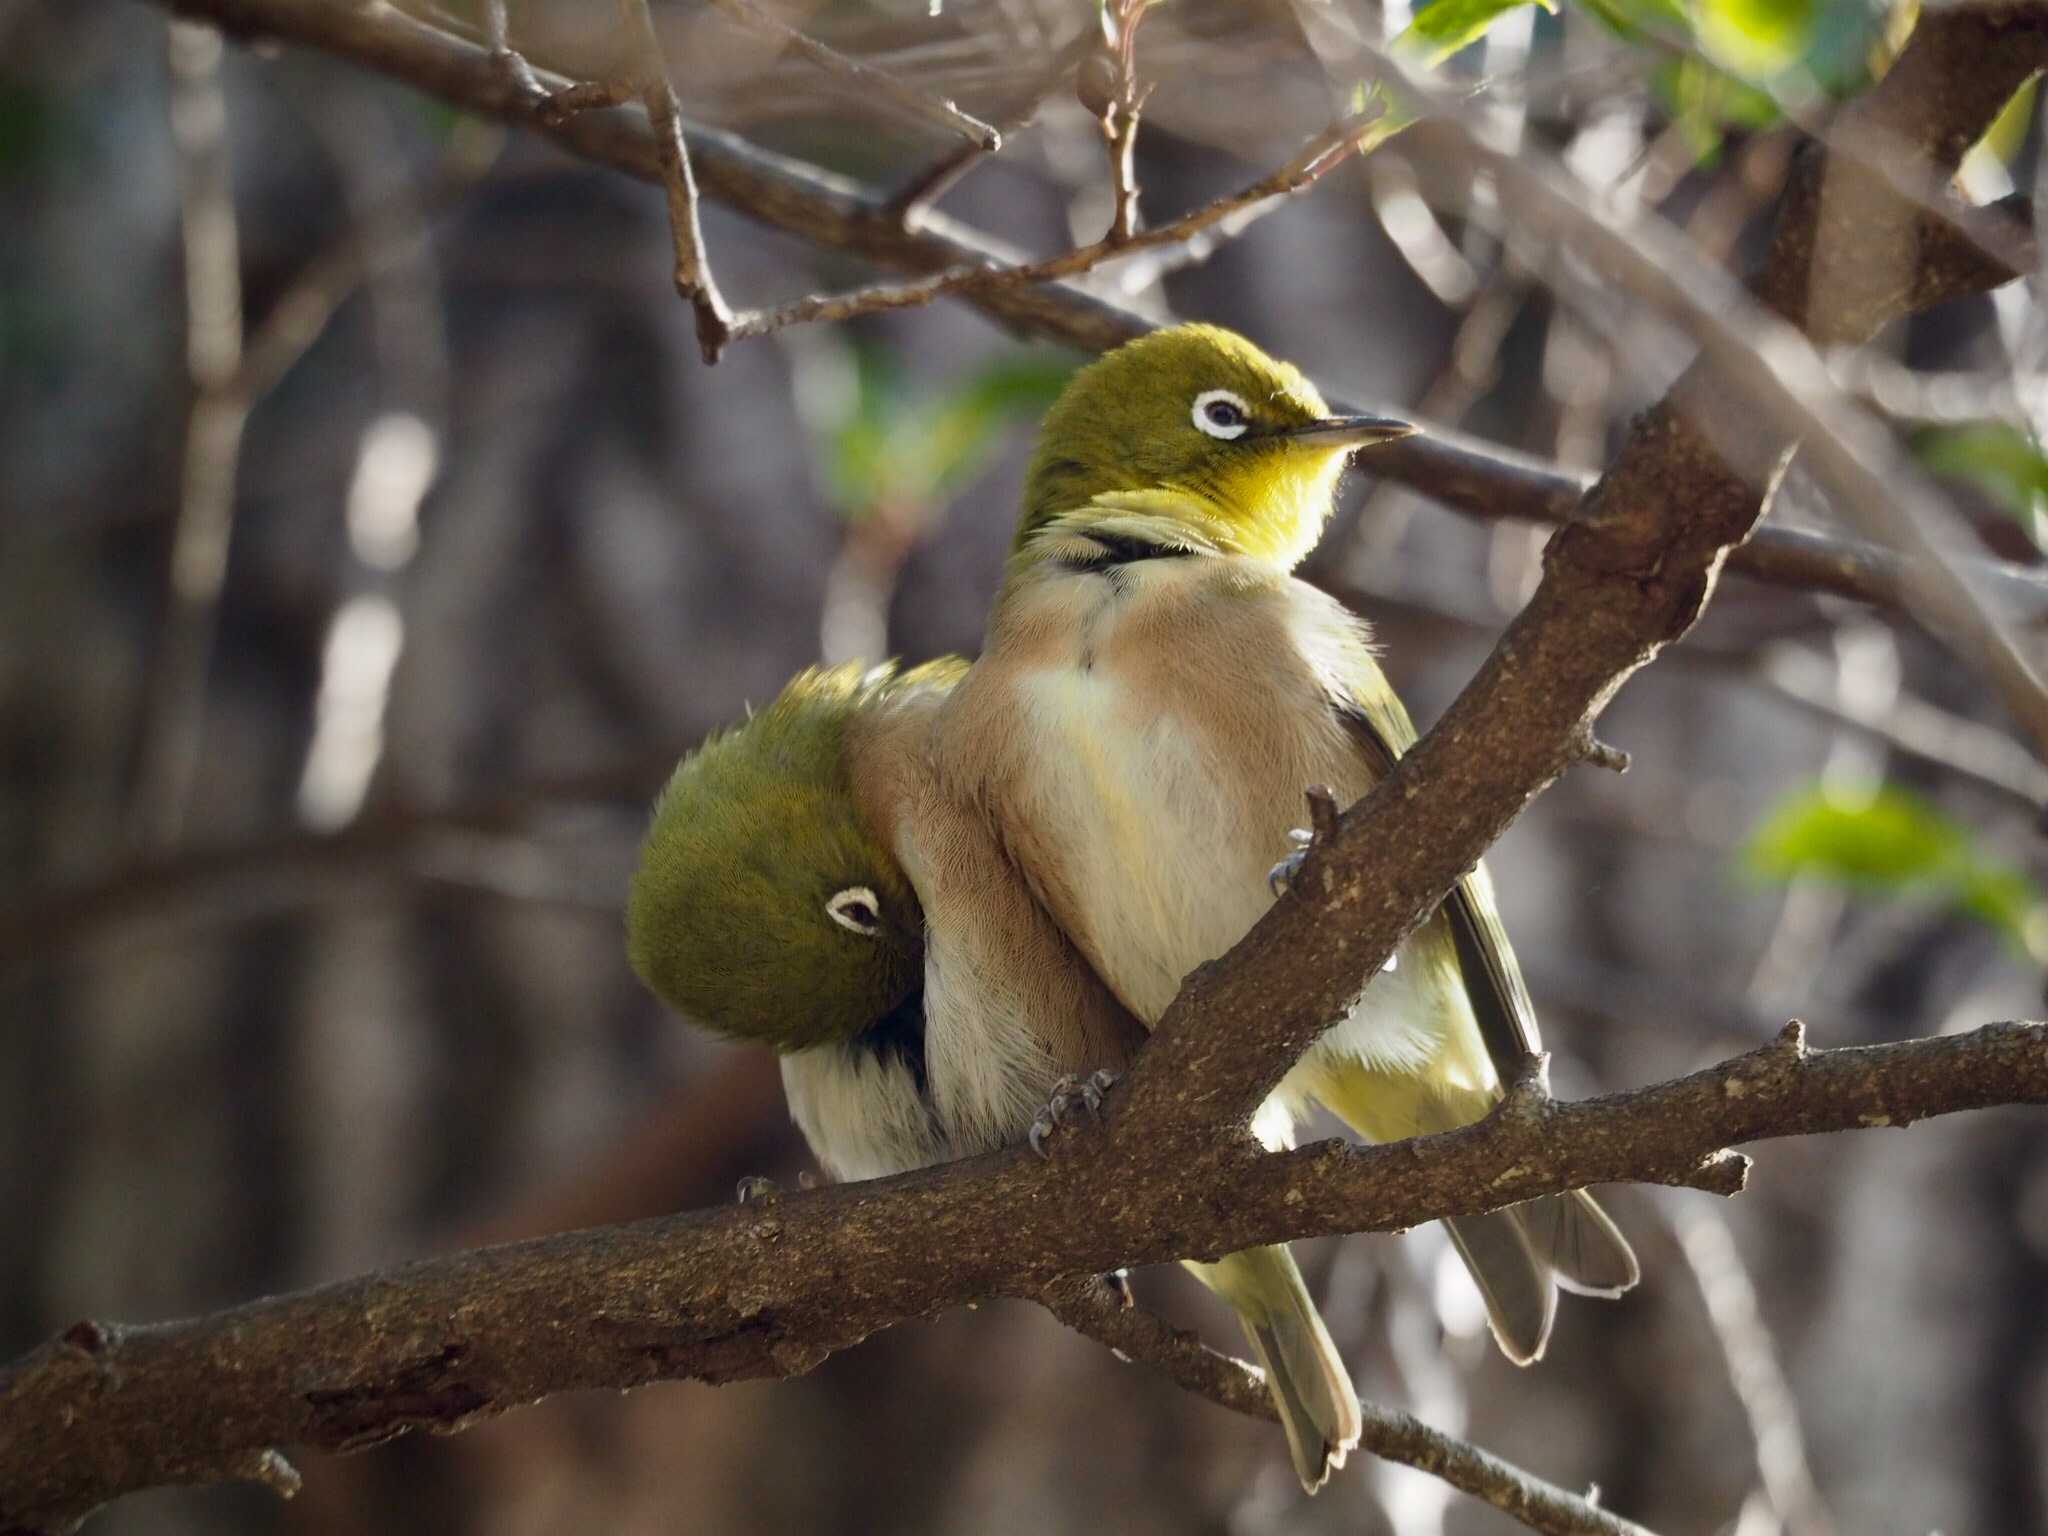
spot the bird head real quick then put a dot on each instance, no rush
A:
(1241, 443)
(766, 906)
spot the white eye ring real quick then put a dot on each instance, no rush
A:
(1221, 413)
(857, 910)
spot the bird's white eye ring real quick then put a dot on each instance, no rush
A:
(856, 909)
(1220, 413)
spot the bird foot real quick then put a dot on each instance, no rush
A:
(1066, 1093)
(1281, 875)
(755, 1190)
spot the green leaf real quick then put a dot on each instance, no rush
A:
(1755, 38)
(1444, 27)
(2001, 460)
(1888, 840)
(910, 453)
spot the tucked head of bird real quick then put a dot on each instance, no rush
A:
(1240, 441)
(765, 906)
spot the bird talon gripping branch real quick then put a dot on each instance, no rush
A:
(1280, 878)
(1066, 1093)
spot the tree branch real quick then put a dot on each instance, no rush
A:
(1089, 1307)
(1455, 470)
(773, 1288)
(693, 276)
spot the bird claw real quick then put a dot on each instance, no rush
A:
(1281, 876)
(755, 1190)
(1066, 1093)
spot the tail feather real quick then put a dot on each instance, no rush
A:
(1513, 1282)
(1580, 1243)
(1312, 1391)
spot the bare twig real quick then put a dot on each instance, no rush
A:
(770, 1290)
(922, 192)
(1110, 89)
(1092, 1308)
(693, 277)
(1315, 159)
(931, 109)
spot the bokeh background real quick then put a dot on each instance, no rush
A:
(352, 610)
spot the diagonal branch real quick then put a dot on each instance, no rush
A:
(1627, 576)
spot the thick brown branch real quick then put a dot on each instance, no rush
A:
(771, 1289)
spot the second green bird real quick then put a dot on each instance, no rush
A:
(805, 884)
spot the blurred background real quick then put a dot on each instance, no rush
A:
(374, 540)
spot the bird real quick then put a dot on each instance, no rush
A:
(1156, 691)
(804, 884)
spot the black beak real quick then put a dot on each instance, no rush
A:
(1353, 431)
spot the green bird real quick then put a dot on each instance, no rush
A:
(805, 883)
(1155, 693)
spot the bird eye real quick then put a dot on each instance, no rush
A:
(857, 910)
(1222, 414)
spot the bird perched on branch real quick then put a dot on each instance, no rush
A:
(1157, 691)
(804, 885)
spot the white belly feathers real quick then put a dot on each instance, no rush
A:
(1166, 833)
(1149, 834)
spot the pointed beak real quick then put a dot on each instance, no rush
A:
(1353, 431)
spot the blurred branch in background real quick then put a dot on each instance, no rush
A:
(174, 714)
(1756, 1373)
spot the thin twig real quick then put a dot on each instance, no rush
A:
(931, 109)
(1093, 1309)
(921, 192)
(1320, 155)
(693, 277)
(1751, 1355)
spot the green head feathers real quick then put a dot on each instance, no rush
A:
(1242, 440)
(766, 906)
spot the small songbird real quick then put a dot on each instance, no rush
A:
(804, 884)
(1157, 691)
